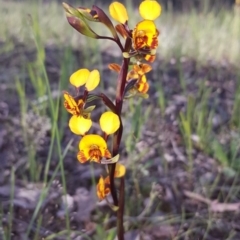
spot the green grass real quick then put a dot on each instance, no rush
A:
(205, 36)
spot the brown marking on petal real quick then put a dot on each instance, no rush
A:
(140, 42)
(80, 103)
(70, 104)
(115, 67)
(73, 109)
(81, 157)
(95, 153)
(154, 43)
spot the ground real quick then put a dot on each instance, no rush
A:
(181, 149)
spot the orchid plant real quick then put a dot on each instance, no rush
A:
(138, 47)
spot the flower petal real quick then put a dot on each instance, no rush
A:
(150, 9)
(93, 80)
(79, 77)
(79, 125)
(109, 122)
(142, 68)
(132, 75)
(70, 104)
(142, 85)
(115, 67)
(118, 12)
(120, 170)
(103, 188)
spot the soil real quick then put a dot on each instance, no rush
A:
(173, 198)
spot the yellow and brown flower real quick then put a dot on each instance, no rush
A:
(103, 186)
(93, 148)
(145, 36)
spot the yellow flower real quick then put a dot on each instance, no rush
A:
(109, 122)
(84, 76)
(71, 105)
(79, 125)
(118, 12)
(103, 186)
(150, 9)
(138, 72)
(92, 147)
(145, 35)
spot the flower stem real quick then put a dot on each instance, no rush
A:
(118, 135)
(120, 228)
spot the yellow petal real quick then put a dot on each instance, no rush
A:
(80, 77)
(150, 9)
(103, 187)
(120, 170)
(93, 80)
(79, 125)
(93, 147)
(118, 12)
(70, 104)
(100, 189)
(109, 122)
